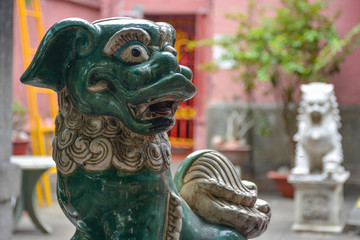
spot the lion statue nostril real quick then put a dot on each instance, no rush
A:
(169, 48)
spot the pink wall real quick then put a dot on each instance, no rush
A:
(347, 82)
(154, 7)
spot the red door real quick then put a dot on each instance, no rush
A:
(181, 135)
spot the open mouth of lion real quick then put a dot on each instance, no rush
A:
(161, 107)
(316, 117)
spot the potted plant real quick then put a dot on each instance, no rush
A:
(19, 137)
(294, 44)
(234, 145)
(280, 177)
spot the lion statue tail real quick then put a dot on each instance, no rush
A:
(209, 184)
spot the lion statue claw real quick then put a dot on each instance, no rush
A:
(213, 189)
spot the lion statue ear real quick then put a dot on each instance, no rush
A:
(64, 41)
(304, 88)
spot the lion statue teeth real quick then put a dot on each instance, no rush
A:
(318, 149)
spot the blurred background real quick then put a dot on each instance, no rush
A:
(231, 84)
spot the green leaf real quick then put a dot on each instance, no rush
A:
(262, 75)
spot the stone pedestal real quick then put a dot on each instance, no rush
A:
(319, 202)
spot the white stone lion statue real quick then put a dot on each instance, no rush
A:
(318, 149)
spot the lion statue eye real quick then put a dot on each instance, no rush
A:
(133, 52)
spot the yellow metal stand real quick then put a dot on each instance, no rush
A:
(41, 124)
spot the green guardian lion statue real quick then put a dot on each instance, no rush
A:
(119, 85)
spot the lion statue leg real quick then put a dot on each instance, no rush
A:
(302, 164)
(332, 162)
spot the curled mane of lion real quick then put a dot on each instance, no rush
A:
(318, 149)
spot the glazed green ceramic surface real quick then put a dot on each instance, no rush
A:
(100, 79)
(117, 205)
(72, 55)
(114, 204)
